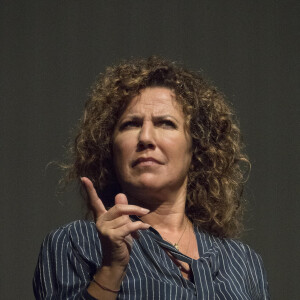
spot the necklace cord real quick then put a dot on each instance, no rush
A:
(176, 245)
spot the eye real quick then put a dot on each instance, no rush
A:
(168, 124)
(129, 124)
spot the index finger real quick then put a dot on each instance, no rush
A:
(96, 203)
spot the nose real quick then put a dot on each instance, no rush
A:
(146, 138)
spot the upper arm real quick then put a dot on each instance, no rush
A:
(60, 274)
(257, 278)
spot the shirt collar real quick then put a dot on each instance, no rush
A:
(206, 242)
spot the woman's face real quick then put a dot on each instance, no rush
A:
(151, 146)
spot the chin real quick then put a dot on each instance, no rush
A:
(147, 182)
(149, 185)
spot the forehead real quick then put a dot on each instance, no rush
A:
(154, 100)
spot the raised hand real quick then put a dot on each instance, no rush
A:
(114, 226)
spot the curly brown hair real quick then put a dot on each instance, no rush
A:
(215, 177)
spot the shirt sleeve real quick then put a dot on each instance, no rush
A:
(60, 273)
(257, 278)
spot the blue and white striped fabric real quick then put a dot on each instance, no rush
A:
(227, 269)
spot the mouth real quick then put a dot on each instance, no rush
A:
(147, 161)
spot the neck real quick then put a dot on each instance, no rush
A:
(166, 222)
(167, 210)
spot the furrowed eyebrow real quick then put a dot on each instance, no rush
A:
(155, 118)
(133, 116)
(158, 118)
(162, 117)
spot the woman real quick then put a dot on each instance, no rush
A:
(158, 153)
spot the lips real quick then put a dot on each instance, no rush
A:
(145, 159)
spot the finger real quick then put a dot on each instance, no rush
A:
(95, 201)
(118, 222)
(121, 199)
(124, 209)
(129, 228)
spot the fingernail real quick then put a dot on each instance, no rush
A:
(145, 210)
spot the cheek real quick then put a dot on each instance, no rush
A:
(180, 146)
(122, 150)
(185, 151)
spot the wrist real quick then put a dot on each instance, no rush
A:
(109, 266)
(110, 276)
(106, 282)
(105, 288)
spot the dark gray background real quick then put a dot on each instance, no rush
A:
(51, 52)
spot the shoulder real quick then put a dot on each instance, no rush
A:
(226, 246)
(233, 256)
(232, 253)
(78, 230)
(238, 249)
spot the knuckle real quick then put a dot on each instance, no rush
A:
(118, 207)
(128, 227)
(133, 225)
(102, 229)
(99, 221)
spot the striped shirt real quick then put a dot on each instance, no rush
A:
(226, 269)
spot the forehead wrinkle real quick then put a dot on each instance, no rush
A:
(158, 107)
(157, 104)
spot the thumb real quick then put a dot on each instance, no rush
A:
(121, 199)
